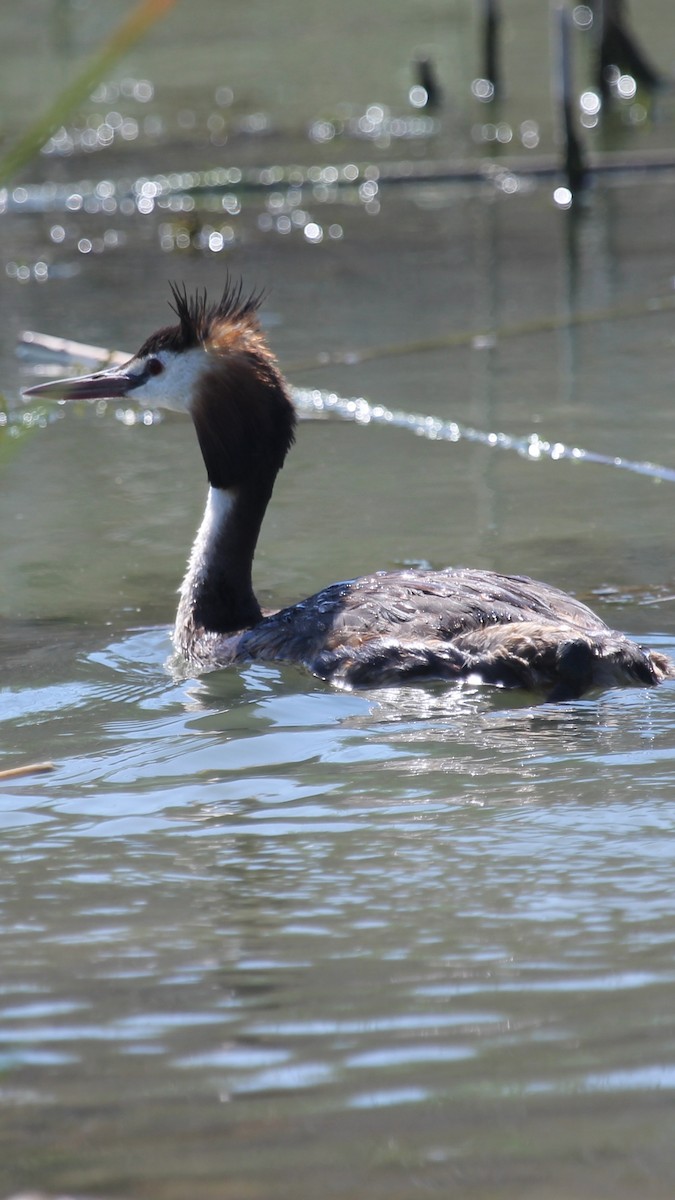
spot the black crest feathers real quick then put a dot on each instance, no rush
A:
(197, 317)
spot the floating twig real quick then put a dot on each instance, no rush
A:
(27, 769)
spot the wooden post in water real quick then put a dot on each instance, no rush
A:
(425, 71)
(573, 156)
(491, 20)
(617, 47)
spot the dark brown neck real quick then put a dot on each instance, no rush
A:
(244, 420)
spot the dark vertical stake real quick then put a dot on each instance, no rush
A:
(425, 71)
(618, 48)
(574, 166)
(491, 19)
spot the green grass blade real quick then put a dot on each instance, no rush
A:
(128, 32)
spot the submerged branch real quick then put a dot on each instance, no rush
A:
(314, 402)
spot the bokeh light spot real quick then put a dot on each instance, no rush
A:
(582, 16)
(483, 90)
(418, 96)
(562, 196)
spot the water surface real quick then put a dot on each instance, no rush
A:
(260, 937)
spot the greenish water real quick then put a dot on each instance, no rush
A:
(259, 938)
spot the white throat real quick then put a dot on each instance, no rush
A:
(217, 594)
(220, 504)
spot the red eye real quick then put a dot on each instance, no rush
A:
(154, 366)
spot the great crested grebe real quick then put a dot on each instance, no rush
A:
(387, 628)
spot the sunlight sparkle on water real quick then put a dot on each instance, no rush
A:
(529, 134)
(590, 103)
(418, 96)
(377, 123)
(626, 87)
(562, 196)
(26, 272)
(582, 16)
(483, 90)
(489, 132)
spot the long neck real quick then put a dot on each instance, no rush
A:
(217, 592)
(244, 421)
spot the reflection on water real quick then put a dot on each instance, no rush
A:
(283, 906)
(243, 910)
(258, 934)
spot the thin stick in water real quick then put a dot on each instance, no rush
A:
(27, 769)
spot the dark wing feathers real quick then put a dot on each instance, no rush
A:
(403, 626)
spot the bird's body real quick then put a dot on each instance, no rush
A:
(408, 626)
(388, 627)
